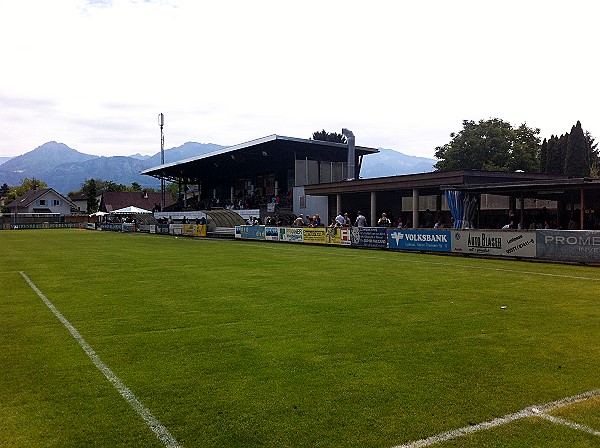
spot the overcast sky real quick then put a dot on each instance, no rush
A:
(400, 74)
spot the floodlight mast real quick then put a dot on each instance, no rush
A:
(161, 123)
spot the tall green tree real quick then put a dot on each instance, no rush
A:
(554, 157)
(4, 189)
(91, 191)
(490, 145)
(577, 156)
(325, 136)
(544, 156)
(594, 156)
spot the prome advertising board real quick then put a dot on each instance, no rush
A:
(494, 242)
(569, 245)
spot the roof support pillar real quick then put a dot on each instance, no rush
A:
(415, 209)
(522, 217)
(582, 210)
(373, 217)
(338, 203)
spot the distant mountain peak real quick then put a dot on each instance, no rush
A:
(66, 169)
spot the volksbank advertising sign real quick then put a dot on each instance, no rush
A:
(494, 242)
(426, 240)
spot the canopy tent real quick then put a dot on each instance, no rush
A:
(130, 210)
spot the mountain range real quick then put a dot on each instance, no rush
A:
(66, 169)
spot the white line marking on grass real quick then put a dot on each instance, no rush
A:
(562, 421)
(533, 411)
(161, 432)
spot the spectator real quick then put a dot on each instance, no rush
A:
(383, 221)
(361, 221)
(347, 222)
(299, 221)
(317, 221)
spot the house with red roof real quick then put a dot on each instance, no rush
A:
(115, 200)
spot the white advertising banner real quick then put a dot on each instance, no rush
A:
(507, 243)
(291, 234)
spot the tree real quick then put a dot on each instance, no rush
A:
(135, 187)
(91, 191)
(325, 136)
(594, 156)
(544, 156)
(577, 157)
(4, 189)
(26, 185)
(490, 145)
(554, 156)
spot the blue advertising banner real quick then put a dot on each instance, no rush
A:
(65, 225)
(251, 232)
(112, 226)
(272, 233)
(427, 240)
(369, 237)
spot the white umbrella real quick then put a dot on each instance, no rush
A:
(130, 209)
(99, 214)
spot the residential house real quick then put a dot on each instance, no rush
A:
(43, 200)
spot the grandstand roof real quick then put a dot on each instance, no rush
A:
(260, 156)
(432, 183)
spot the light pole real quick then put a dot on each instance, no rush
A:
(161, 123)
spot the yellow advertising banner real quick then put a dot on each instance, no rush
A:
(193, 230)
(200, 230)
(317, 235)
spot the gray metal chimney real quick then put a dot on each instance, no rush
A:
(351, 153)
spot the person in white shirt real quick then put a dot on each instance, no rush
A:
(361, 221)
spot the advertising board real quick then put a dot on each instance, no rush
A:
(375, 237)
(291, 234)
(112, 226)
(162, 229)
(316, 235)
(250, 232)
(425, 240)
(505, 243)
(193, 230)
(338, 235)
(272, 233)
(569, 245)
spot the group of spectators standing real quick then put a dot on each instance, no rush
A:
(341, 220)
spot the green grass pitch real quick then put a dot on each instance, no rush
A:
(255, 344)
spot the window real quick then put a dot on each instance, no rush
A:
(42, 202)
(302, 201)
(55, 202)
